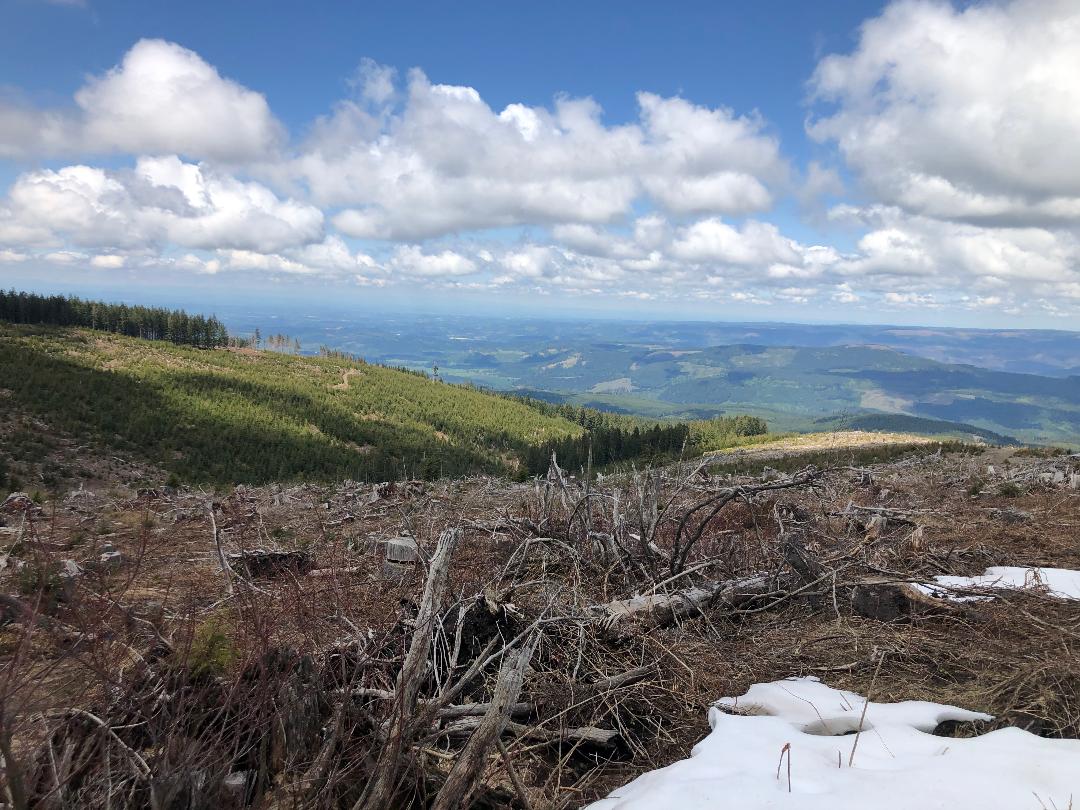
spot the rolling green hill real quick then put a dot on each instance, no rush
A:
(227, 415)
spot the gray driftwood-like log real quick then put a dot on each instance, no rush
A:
(479, 709)
(661, 609)
(346, 571)
(602, 737)
(379, 792)
(451, 712)
(631, 676)
(468, 767)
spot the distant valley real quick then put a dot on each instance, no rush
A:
(1018, 384)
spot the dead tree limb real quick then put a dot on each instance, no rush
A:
(586, 734)
(223, 561)
(464, 776)
(520, 708)
(316, 776)
(380, 790)
(447, 712)
(661, 609)
(515, 779)
(631, 676)
(686, 538)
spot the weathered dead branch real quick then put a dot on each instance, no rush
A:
(655, 610)
(380, 790)
(461, 782)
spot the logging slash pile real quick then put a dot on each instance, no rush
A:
(481, 643)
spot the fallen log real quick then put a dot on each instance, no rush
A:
(585, 734)
(351, 570)
(451, 712)
(479, 709)
(579, 692)
(649, 611)
(631, 676)
(894, 515)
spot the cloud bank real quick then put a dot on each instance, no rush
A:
(953, 124)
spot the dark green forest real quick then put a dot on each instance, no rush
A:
(613, 438)
(152, 323)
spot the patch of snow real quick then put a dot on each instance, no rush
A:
(897, 765)
(1060, 583)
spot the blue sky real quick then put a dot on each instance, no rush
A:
(300, 55)
(838, 161)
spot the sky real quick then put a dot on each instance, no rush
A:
(899, 162)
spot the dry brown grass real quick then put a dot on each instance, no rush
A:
(1017, 657)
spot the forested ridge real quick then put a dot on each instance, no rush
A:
(613, 438)
(227, 415)
(152, 323)
(231, 415)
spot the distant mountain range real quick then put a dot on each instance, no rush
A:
(795, 387)
(1054, 353)
(1022, 384)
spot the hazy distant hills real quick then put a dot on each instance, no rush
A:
(1017, 383)
(1053, 353)
(794, 387)
(426, 337)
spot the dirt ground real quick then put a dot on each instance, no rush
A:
(112, 581)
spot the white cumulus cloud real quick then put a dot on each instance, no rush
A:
(161, 98)
(712, 240)
(411, 260)
(952, 124)
(160, 201)
(443, 161)
(967, 113)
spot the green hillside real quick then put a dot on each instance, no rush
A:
(226, 415)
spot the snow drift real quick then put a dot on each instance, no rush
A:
(1059, 583)
(897, 764)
